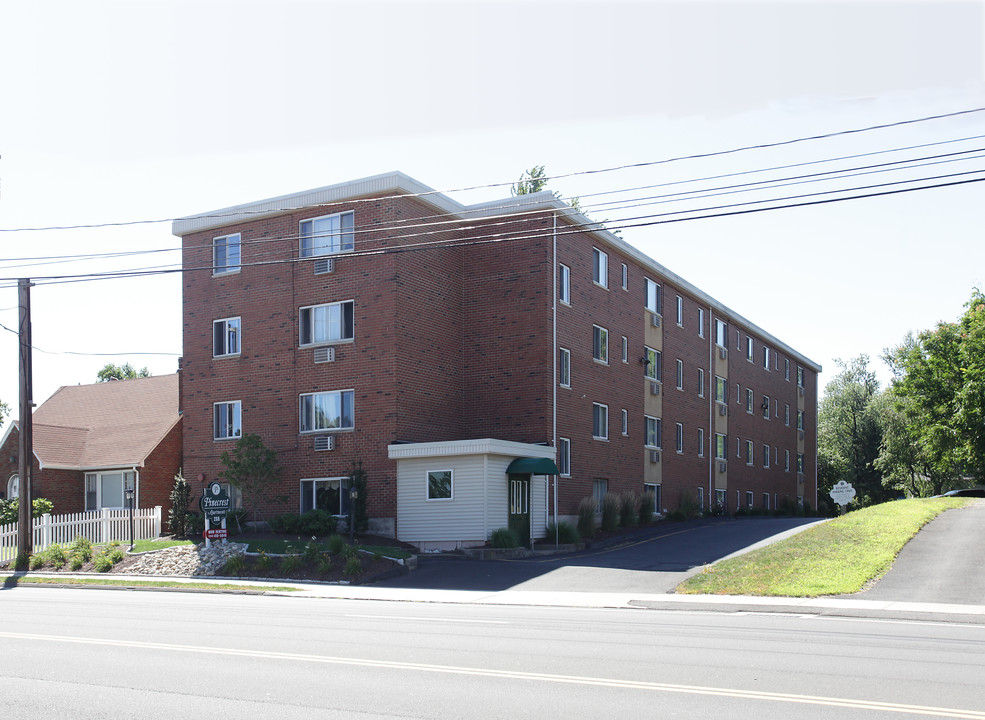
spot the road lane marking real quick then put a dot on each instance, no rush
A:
(900, 708)
(427, 619)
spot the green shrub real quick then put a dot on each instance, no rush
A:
(236, 521)
(318, 522)
(55, 555)
(234, 565)
(647, 501)
(586, 517)
(565, 532)
(115, 555)
(335, 544)
(290, 563)
(82, 547)
(628, 509)
(9, 509)
(287, 524)
(350, 551)
(264, 562)
(179, 498)
(610, 511)
(194, 525)
(311, 551)
(102, 563)
(504, 538)
(76, 562)
(36, 562)
(353, 566)
(688, 506)
(325, 565)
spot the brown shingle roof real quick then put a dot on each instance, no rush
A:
(110, 424)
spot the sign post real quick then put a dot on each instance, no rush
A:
(842, 493)
(215, 505)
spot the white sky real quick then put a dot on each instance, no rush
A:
(147, 110)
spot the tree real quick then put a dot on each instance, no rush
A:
(121, 372)
(971, 395)
(850, 432)
(534, 180)
(252, 467)
(178, 513)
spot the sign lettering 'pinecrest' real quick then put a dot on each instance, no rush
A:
(215, 503)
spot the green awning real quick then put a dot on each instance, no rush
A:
(533, 466)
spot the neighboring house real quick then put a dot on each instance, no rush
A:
(90, 441)
(465, 354)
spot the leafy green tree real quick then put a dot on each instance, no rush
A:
(178, 513)
(971, 395)
(531, 181)
(121, 372)
(850, 432)
(252, 467)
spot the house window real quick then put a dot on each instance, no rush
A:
(749, 453)
(600, 343)
(679, 437)
(625, 422)
(766, 358)
(800, 419)
(225, 337)
(600, 268)
(766, 501)
(800, 462)
(680, 311)
(326, 411)
(748, 348)
(625, 277)
(654, 490)
(766, 407)
(720, 500)
(652, 363)
(680, 374)
(720, 446)
(327, 235)
(786, 369)
(786, 414)
(564, 367)
(226, 254)
(749, 498)
(701, 382)
(701, 498)
(13, 487)
(600, 421)
(600, 486)
(653, 428)
(625, 349)
(328, 494)
(749, 400)
(564, 457)
(654, 297)
(106, 490)
(701, 442)
(701, 322)
(721, 393)
(439, 484)
(786, 461)
(326, 323)
(227, 420)
(738, 394)
(235, 495)
(564, 284)
(766, 456)
(800, 376)
(721, 333)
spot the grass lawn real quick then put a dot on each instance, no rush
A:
(839, 556)
(146, 545)
(278, 546)
(138, 583)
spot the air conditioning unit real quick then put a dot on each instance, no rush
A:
(722, 353)
(654, 456)
(800, 478)
(800, 434)
(654, 387)
(324, 354)
(324, 265)
(722, 467)
(722, 409)
(325, 442)
(800, 391)
(655, 320)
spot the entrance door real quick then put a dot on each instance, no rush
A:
(520, 507)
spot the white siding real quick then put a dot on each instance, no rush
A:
(458, 519)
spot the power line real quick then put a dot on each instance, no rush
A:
(72, 352)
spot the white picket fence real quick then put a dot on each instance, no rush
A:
(100, 526)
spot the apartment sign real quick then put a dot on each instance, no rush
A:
(842, 493)
(215, 504)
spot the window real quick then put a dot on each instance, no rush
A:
(105, 490)
(654, 490)
(680, 374)
(786, 414)
(564, 457)
(600, 486)
(721, 500)
(653, 360)
(13, 487)
(625, 349)
(600, 343)
(225, 337)
(679, 437)
(786, 461)
(749, 498)
(600, 268)
(439, 484)
(800, 419)
(701, 498)
(738, 395)
(326, 411)
(326, 323)
(225, 254)
(653, 428)
(786, 369)
(227, 420)
(749, 400)
(235, 495)
(748, 348)
(701, 442)
(800, 376)
(680, 311)
(625, 423)
(721, 393)
(749, 453)
(625, 277)
(564, 284)
(766, 456)
(564, 367)
(766, 407)
(326, 235)
(328, 494)
(701, 322)
(800, 462)
(701, 382)
(600, 421)
(654, 297)
(766, 358)
(721, 333)
(766, 501)
(719, 446)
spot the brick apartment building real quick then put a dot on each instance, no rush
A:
(465, 353)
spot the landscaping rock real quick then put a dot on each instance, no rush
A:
(184, 560)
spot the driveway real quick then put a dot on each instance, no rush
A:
(654, 560)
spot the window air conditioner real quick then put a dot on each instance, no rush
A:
(324, 265)
(655, 320)
(722, 353)
(800, 391)
(722, 467)
(654, 387)
(800, 434)
(722, 409)
(654, 456)
(324, 354)
(325, 442)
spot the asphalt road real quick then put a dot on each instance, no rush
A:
(101, 654)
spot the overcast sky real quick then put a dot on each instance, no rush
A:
(116, 112)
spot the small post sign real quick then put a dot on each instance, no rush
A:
(842, 493)
(215, 505)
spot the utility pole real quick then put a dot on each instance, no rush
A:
(25, 450)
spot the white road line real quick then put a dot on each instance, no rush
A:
(429, 619)
(900, 708)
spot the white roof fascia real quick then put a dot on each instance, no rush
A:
(482, 446)
(6, 434)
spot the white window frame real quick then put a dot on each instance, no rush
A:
(600, 421)
(307, 322)
(652, 432)
(721, 446)
(13, 486)
(653, 299)
(653, 367)
(341, 240)
(721, 333)
(721, 389)
(625, 349)
(786, 369)
(800, 376)
(701, 442)
(306, 411)
(701, 322)
(600, 344)
(701, 382)
(564, 367)
(680, 374)
(750, 400)
(600, 488)
(786, 414)
(625, 277)
(766, 358)
(750, 349)
(600, 268)
(786, 461)
(450, 472)
(750, 498)
(679, 437)
(227, 267)
(766, 409)
(230, 328)
(564, 284)
(625, 422)
(232, 423)
(800, 419)
(750, 452)
(766, 456)
(96, 479)
(564, 456)
(680, 311)
(800, 462)
(324, 482)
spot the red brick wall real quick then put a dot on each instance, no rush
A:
(157, 474)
